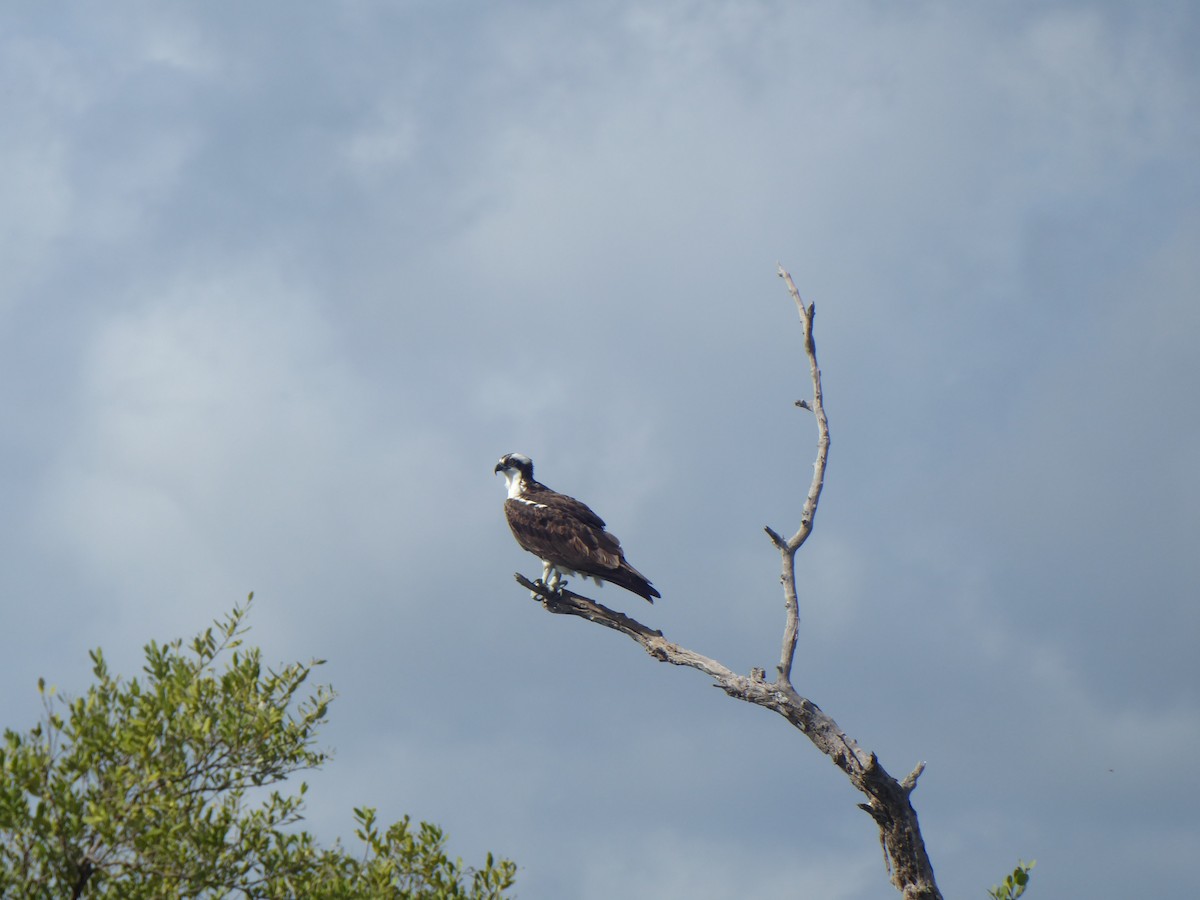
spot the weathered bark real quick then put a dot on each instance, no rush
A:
(887, 799)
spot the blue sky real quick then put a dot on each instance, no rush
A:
(280, 283)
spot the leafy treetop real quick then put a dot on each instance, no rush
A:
(168, 786)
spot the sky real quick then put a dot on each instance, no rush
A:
(279, 283)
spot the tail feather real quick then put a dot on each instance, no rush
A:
(634, 581)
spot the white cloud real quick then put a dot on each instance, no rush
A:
(221, 436)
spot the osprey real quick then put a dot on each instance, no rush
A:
(568, 537)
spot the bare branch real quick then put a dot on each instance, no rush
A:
(818, 408)
(791, 605)
(568, 603)
(776, 695)
(776, 538)
(910, 780)
(887, 799)
(791, 628)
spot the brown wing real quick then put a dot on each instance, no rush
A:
(564, 531)
(569, 506)
(552, 532)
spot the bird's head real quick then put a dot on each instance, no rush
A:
(518, 471)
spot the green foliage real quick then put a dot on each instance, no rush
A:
(166, 786)
(1013, 885)
(399, 862)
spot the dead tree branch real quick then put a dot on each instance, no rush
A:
(887, 799)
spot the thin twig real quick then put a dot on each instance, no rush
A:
(818, 408)
(787, 549)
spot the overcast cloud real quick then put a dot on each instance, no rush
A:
(280, 282)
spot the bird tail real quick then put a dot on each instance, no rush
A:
(632, 580)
